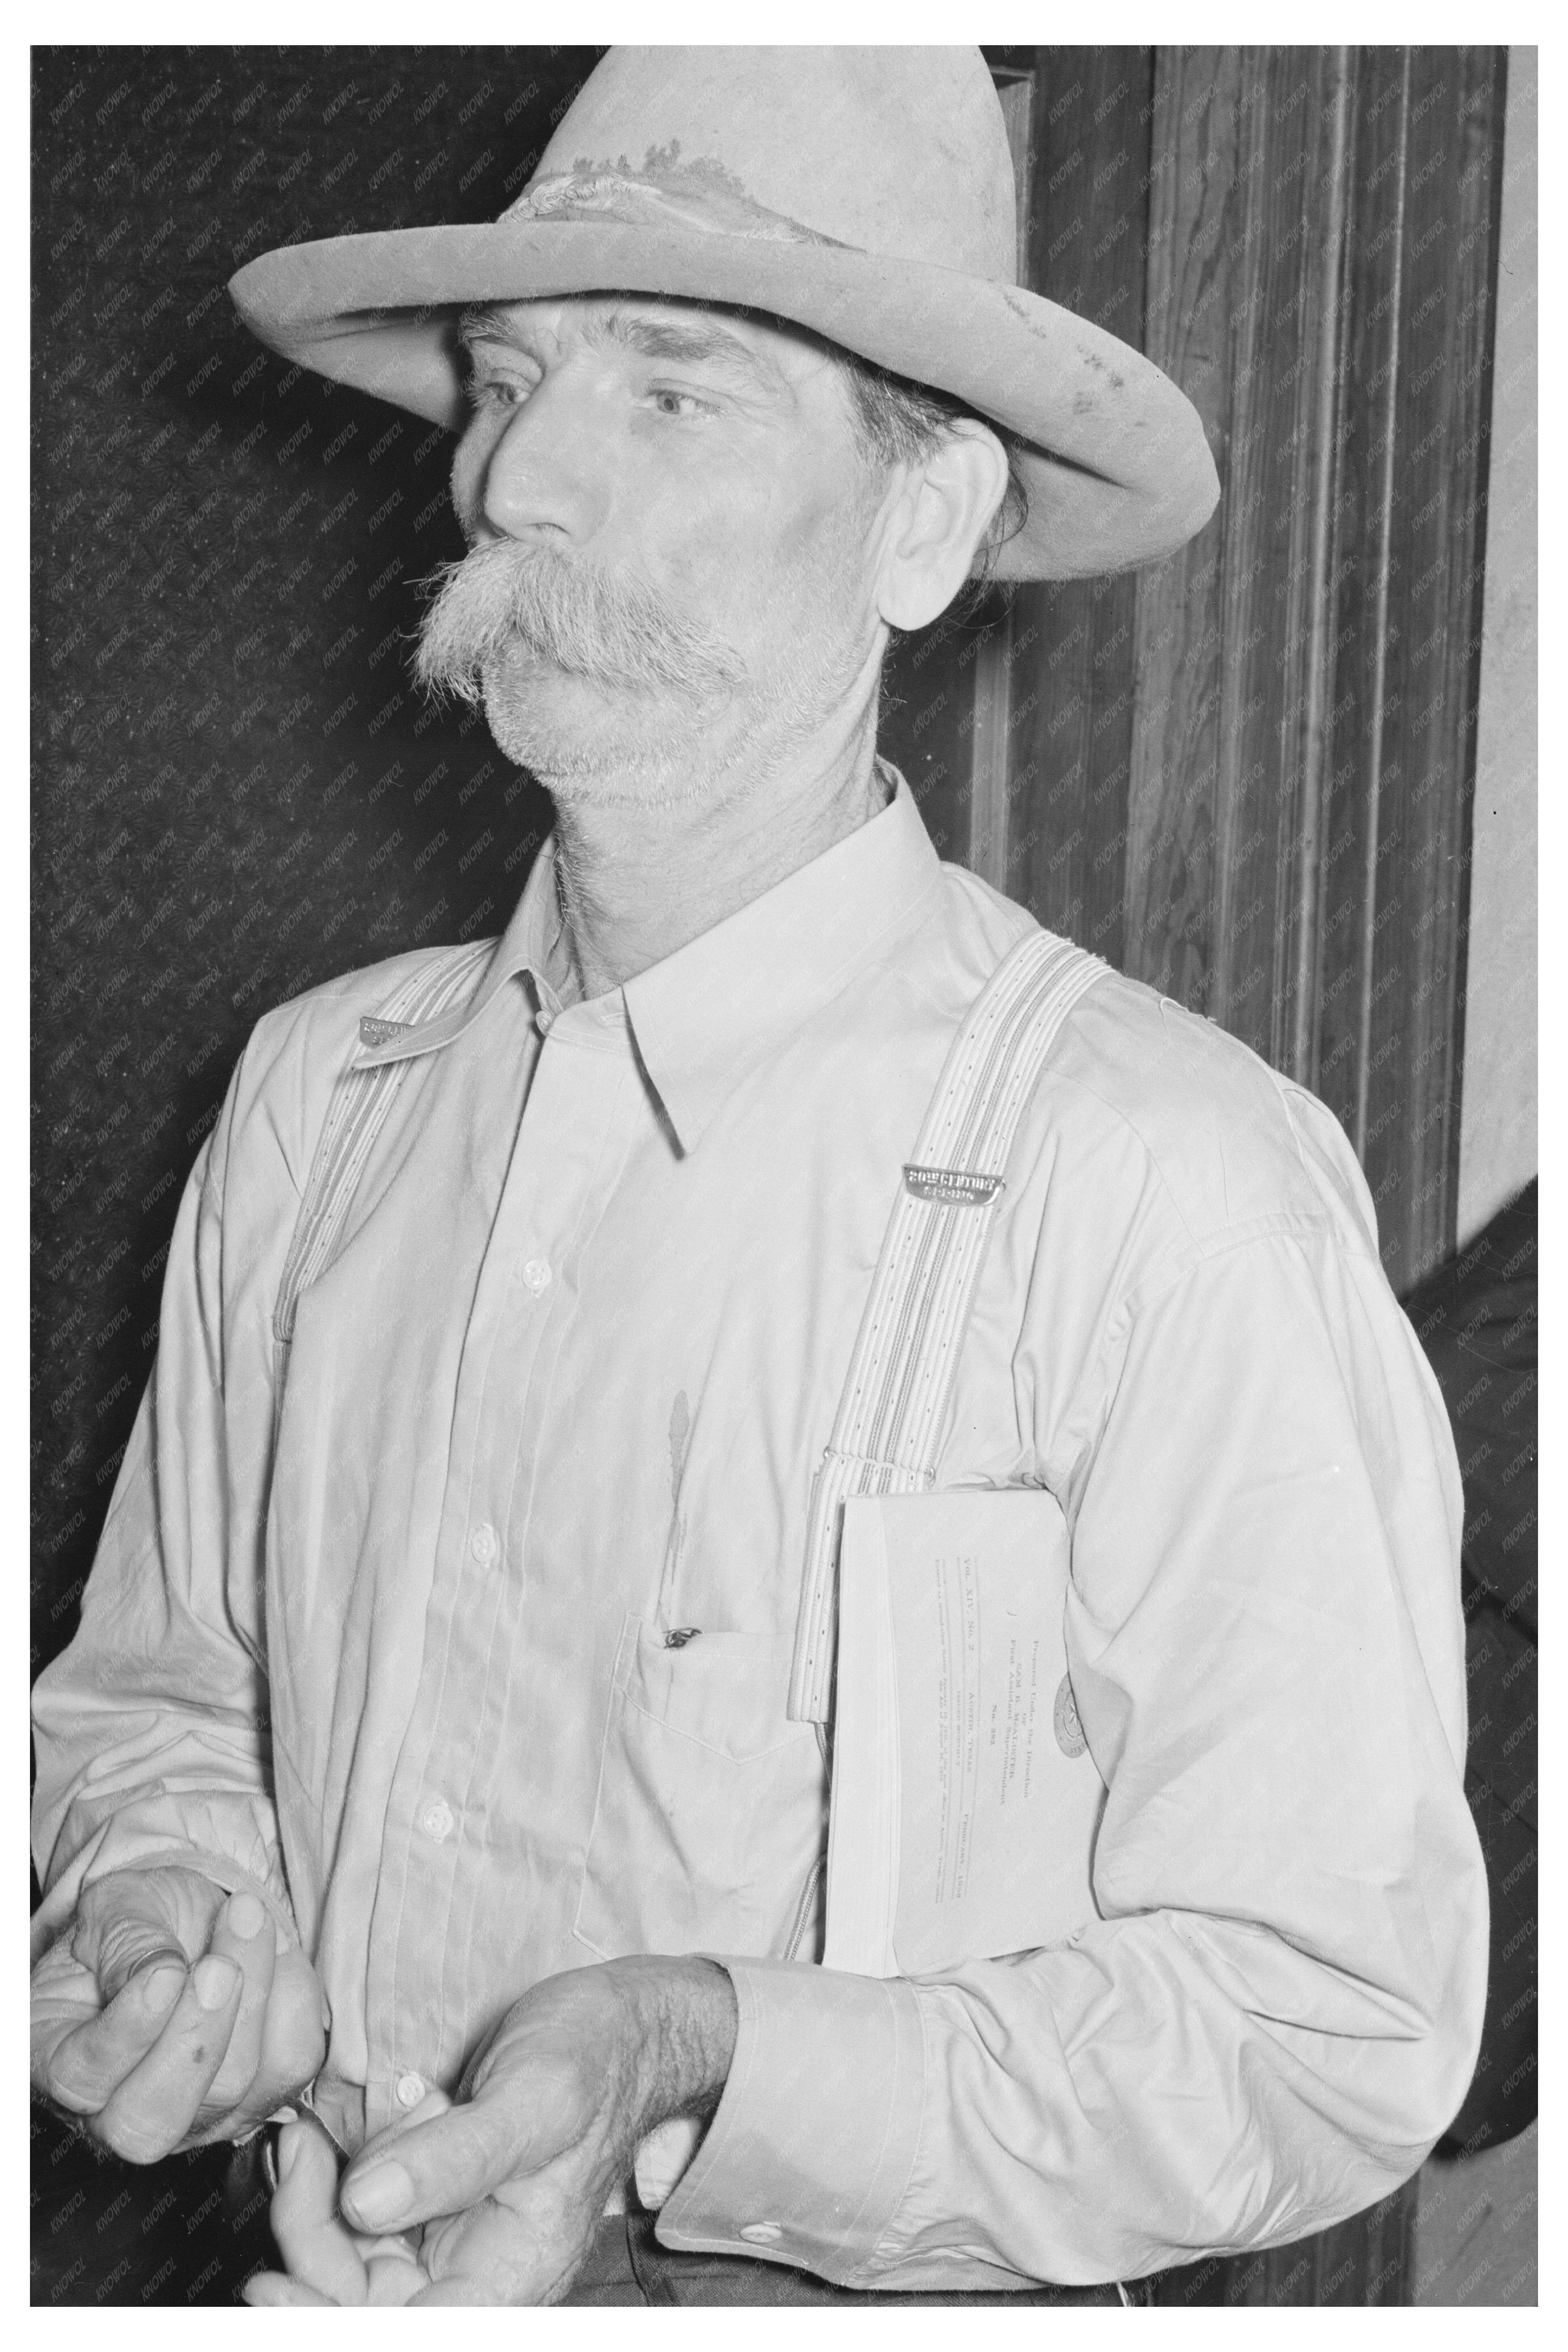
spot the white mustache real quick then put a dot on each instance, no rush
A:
(612, 632)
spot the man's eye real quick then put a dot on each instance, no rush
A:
(670, 403)
(496, 391)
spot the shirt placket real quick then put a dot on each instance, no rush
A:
(564, 1159)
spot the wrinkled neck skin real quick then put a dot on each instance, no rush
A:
(639, 882)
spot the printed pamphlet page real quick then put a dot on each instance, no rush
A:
(964, 1798)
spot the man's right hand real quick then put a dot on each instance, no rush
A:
(168, 2016)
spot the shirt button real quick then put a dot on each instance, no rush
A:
(435, 1820)
(761, 2233)
(484, 1543)
(536, 1274)
(544, 1022)
(410, 2090)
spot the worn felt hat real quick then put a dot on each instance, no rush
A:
(864, 193)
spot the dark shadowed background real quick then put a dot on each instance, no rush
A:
(236, 791)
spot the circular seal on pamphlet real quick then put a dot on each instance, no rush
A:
(1064, 1715)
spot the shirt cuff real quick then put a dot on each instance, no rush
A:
(809, 2152)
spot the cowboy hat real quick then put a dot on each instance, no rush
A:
(863, 194)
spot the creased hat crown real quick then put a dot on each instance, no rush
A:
(899, 152)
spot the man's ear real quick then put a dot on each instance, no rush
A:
(942, 514)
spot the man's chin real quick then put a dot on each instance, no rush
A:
(590, 742)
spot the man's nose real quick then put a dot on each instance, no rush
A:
(547, 474)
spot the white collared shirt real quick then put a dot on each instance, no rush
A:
(560, 1394)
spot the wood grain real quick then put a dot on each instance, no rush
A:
(1321, 253)
(1071, 657)
(1230, 734)
(1364, 522)
(1416, 910)
(1245, 775)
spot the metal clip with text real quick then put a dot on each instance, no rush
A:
(956, 1188)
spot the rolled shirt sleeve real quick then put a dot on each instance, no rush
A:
(152, 1727)
(1278, 2010)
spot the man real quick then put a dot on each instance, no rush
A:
(427, 1751)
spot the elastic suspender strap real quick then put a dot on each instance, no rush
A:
(360, 1101)
(894, 1409)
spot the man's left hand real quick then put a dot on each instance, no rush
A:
(512, 2182)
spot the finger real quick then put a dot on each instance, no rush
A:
(473, 2291)
(404, 2248)
(524, 2246)
(293, 2046)
(85, 2066)
(65, 1998)
(297, 2015)
(133, 1947)
(244, 1933)
(294, 2037)
(270, 2287)
(394, 2280)
(316, 2247)
(134, 1919)
(489, 2255)
(152, 2109)
(435, 2102)
(418, 2171)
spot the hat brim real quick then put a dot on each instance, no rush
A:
(1118, 468)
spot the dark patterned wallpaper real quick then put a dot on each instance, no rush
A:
(237, 793)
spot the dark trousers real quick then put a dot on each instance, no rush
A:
(628, 2265)
(191, 2230)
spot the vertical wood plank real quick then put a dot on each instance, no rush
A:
(990, 747)
(990, 740)
(1412, 1025)
(1325, 288)
(1071, 657)
(1203, 102)
(1322, 251)
(944, 717)
(1233, 637)
(927, 716)
(1244, 774)
(1365, 507)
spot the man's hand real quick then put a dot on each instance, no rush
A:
(512, 2182)
(168, 2016)
(328, 2262)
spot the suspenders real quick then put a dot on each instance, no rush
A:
(893, 1412)
(358, 1112)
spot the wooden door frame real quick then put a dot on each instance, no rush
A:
(1246, 775)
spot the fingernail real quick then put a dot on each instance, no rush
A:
(379, 2195)
(246, 1915)
(161, 1991)
(215, 1979)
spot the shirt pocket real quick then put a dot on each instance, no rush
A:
(711, 1806)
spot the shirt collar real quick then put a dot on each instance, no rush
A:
(708, 1015)
(530, 944)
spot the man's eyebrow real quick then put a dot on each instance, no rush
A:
(692, 339)
(697, 339)
(484, 319)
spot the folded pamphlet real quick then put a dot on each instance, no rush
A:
(964, 1799)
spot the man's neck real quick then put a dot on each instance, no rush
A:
(636, 884)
